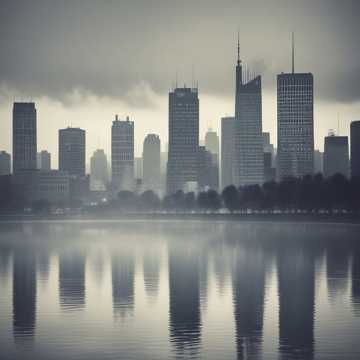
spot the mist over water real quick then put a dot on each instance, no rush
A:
(179, 290)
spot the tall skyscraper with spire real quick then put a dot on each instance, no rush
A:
(248, 162)
(295, 123)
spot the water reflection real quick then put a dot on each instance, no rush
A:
(151, 270)
(355, 284)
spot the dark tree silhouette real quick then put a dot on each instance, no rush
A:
(230, 197)
(149, 200)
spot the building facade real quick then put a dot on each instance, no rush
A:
(248, 161)
(24, 136)
(122, 154)
(336, 156)
(151, 163)
(318, 162)
(295, 124)
(207, 170)
(98, 170)
(227, 151)
(44, 160)
(72, 151)
(5, 163)
(182, 166)
(355, 148)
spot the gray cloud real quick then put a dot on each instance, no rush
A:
(130, 49)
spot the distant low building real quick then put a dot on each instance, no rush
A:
(318, 162)
(5, 163)
(98, 171)
(336, 155)
(43, 160)
(207, 170)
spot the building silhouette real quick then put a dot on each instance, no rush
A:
(207, 170)
(336, 155)
(318, 162)
(183, 139)
(72, 151)
(24, 136)
(227, 150)
(98, 170)
(122, 154)
(24, 296)
(355, 148)
(268, 148)
(72, 281)
(295, 123)
(44, 160)
(151, 163)
(212, 145)
(248, 283)
(5, 163)
(248, 161)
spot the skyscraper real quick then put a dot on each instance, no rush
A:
(151, 163)
(355, 148)
(212, 142)
(98, 170)
(227, 150)
(183, 138)
(122, 154)
(318, 162)
(72, 151)
(24, 136)
(295, 124)
(248, 162)
(5, 163)
(206, 176)
(44, 160)
(336, 155)
(212, 145)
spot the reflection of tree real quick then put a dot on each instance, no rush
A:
(184, 286)
(72, 280)
(123, 278)
(296, 297)
(248, 279)
(24, 296)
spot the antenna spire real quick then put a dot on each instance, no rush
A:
(238, 49)
(292, 53)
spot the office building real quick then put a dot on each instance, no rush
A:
(248, 161)
(5, 163)
(295, 124)
(24, 136)
(122, 154)
(207, 170)
(151, 163)
(318, 162)
(227, 150)
(212, 142)
(98, 170)
(44, 160)
(72, 151)
(183, 139)
(336, 155)
(355, 148)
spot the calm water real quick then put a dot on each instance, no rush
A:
(172, 290)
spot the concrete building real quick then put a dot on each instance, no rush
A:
(122, 154)
(227, 151)
(72, 151)
(99, 174)
(318, 162)
(207, 170)
(212, 142)
(295, 124)
(43, 160)
(50, 185)
(182, 163)
(5, 163)
(355, 148)
(151, 163)
(336, 155)
(24, 136)
(248, 161)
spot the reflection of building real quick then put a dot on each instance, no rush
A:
(227, 150)
(72, 151)
(5, 163)
(98, 170)
(123, 278)
(355, 282)
(24, 136)
(44, 160)
(355, 148)
(72, 281)
(122, 154)
(24, 296)
(183, 138)
(184, 287)
(296, 281)
(151, 163)
(248, 279)
(336, 155)
(151, 269)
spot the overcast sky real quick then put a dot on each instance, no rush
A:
(83, 61)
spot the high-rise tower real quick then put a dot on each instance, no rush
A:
(248, 162)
